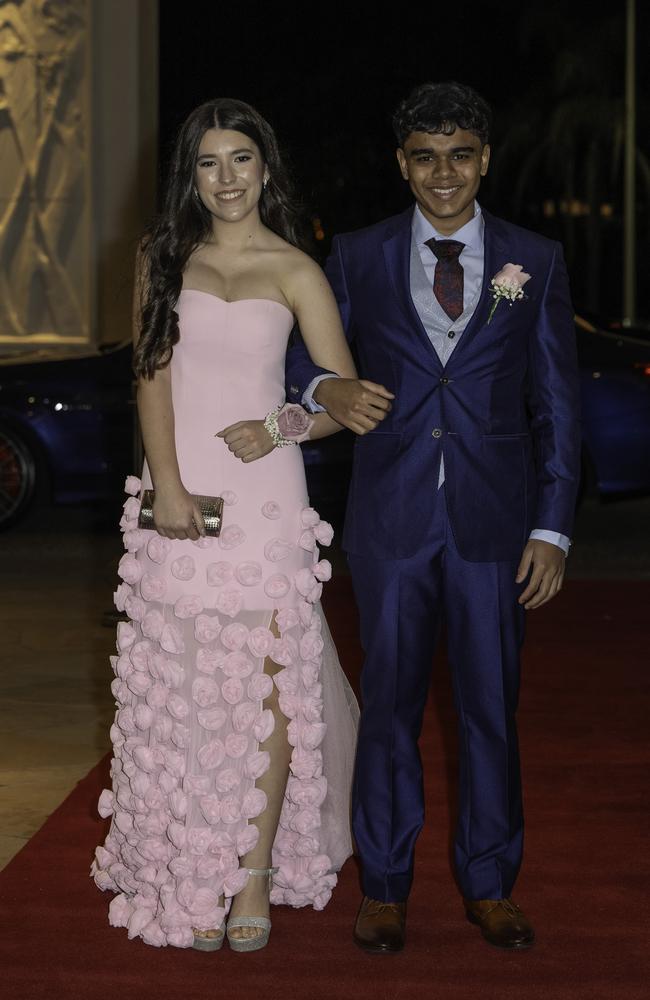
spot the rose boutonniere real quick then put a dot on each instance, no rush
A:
(508, 284)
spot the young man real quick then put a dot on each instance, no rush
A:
(461, 502)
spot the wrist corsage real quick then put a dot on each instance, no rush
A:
(288, 424)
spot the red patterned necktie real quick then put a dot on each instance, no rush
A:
(449, 277)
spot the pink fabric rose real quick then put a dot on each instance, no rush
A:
(211, 718)
(152, 587)
(306, 612)
(237, 664)
(235, 882)
(304, 581)
(285, 651)
(178, 803)
(134, 539)
(171, 673)
(230, 810)
(286, 618)
(207, 866)
(206, 628)
(247, 839)
(177, 706)
(277, 549)
(272, 510)
(309, 517)
(138, 684)
(161, 728)
(311, 645)
(119, 597)
(129, 568)
(259, 687)
(171, 639)
(229, 601)
(324, 533)
(205, 691)
(132, 485)
(153, 624)
(188, 606)
(139, 654)
(105, 804)
(183, 568)
(236, 745)
(232, 537)
(180, 736)
(196, 784)
(323, 570)
(157, 696)
(143, 716)
(158, 548)
(249, 574)
(260, 641)
(211, 754)
(126, 636)
(208, 660)
(243, 716)
(210, 806)
(264, 725)
(232, 690)
(218, 573)
(234, 636)
(226, 781)
(135, 608)
(181, 867)
(198, 841)
(131, 508)
(277, 586)
(257, 764)
(307, 540)
(254, 803)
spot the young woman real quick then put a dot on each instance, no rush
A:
(235, 727)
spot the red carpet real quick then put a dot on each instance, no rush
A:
(583, 720)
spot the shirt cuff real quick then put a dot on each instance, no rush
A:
(307, 397)
(554, 537)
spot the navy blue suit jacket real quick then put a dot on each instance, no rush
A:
(504, 410)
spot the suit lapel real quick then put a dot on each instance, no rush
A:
(397, 257)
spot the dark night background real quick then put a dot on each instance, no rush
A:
(329, 76)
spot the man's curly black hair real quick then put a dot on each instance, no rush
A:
(442, 108)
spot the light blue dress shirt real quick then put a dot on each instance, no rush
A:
(444, 333)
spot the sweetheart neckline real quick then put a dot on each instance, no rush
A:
(234, 302)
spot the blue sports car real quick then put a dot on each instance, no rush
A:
(67, 427)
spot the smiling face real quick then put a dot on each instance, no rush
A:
(229, 175)
(444, 173)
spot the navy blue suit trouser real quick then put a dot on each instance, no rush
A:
(402, 603)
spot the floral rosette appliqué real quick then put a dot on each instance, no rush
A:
(508, 284)
(190, 687)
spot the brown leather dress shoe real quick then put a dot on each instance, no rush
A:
(380, 927)
(502, 923)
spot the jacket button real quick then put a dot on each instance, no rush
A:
(451, 334)
(444, 380)
(436, 432)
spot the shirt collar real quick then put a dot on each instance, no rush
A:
(471, 234)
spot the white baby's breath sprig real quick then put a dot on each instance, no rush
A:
(508, 284)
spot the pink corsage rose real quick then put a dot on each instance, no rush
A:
(508, 284)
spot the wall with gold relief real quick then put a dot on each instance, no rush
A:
(78, 103)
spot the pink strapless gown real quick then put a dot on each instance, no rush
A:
(189, 674)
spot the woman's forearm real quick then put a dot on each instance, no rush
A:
(156, 415)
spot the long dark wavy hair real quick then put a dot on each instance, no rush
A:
(184, 223)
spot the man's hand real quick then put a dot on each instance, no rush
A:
(547, 561)
(357, 404)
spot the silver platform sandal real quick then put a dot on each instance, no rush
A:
(260, 940)
(210, 943)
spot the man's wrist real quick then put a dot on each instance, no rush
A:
(309, 400)
(552, 537)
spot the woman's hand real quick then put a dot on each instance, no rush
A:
(176, 514)
(247, 439)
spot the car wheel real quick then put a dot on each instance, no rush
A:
(17, 477)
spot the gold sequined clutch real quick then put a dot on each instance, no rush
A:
(210, 507)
